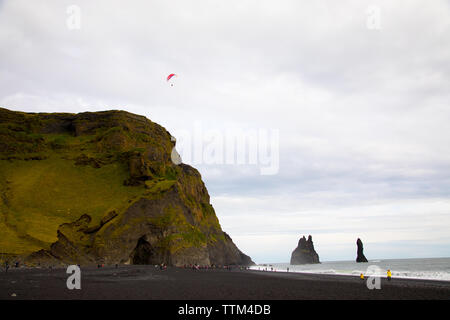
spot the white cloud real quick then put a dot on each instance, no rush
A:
(362, 114)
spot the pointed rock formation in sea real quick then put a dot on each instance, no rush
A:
(304, 253)
(360, 252)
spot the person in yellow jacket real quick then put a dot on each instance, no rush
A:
(361, 276)
(389, 275)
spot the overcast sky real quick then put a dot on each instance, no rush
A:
(358, 91)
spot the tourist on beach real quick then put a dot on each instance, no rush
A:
(389, 275)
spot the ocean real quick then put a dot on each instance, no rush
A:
(430, 268)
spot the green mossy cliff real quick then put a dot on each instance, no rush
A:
(100, 187)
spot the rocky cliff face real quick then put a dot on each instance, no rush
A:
(360, 252)
(304, 253)
(100, 187)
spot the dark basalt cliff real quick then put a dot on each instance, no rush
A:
(100, 187)
(360, 251)
(304, 253)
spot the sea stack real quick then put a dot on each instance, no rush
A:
(360, 253)
(304, 253)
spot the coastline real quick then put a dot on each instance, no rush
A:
(148, 282)
(433, 269)
(352, 275)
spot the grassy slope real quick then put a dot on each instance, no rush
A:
(39, 195)
(46, 193)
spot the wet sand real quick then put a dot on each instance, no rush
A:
(148, 282)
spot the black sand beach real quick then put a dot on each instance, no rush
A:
(148, 282)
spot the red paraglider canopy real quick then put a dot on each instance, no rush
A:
(170, 76)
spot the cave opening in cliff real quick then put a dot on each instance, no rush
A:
(143, 253)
